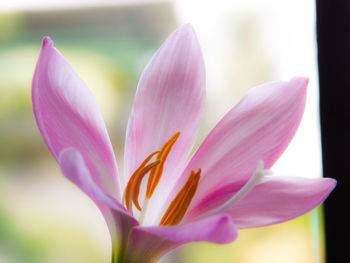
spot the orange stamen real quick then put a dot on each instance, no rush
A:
(134, 183)
(137, 184)
(156, 173)
(178, 207)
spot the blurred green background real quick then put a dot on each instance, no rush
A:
(45, 219)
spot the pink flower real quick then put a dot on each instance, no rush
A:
(161, 201)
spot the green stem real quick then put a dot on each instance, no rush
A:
(118, 255)
(121, 258)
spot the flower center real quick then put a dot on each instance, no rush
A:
(178, 207)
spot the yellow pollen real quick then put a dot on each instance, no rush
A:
(156, 173)
(132, 190)
(178, 207)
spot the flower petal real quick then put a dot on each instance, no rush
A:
(274, 200)
(170, 98)
(259, 127)
(149, 243)
(118, 219)
(68, 116)
(279, 199)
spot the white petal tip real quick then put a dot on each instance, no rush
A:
(302, 81)
(187, 27)
(185, 31)
(331, 182)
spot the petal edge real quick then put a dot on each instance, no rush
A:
(149, 243)
(67, 116)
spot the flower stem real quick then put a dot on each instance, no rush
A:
(120, 258)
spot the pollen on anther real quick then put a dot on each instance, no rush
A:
(178, 207)
(132, 189)
(156, 173)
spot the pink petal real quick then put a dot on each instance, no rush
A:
(118, 219)
(170, 98)
(259, 127)
(274, 200)
(278, 199)
(149, 243)
(68, 116)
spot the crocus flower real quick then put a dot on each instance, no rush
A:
(162, 200)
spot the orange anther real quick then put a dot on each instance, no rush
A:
(178, 207)
(156, 173)
(136, 179)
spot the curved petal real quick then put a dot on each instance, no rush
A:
(279, 199)
(259, 127)
(170, 98)
(68, 116)
(149, 243)
(274, 200)
(118, 219)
